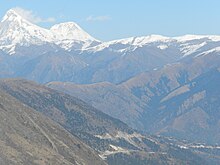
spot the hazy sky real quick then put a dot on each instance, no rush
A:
(114, 19)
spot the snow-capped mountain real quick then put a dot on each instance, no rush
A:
(85, 59)
(187, 44)
(125, 58)
(132, 42)
(17, 31)
(70, 31)
(69, 35)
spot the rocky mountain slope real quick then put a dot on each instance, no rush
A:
(111, 99)
(114, 141)
(28, 137)
(177, 100)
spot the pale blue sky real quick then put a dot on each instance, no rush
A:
(115, 19)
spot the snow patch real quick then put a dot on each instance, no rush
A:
(162, 47)
(115, 150)
(188, 48)
(215, 50)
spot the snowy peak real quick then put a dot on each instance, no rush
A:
(70, 36)
(14, 29)
(11, 15)
(17, 31)
(70, 31)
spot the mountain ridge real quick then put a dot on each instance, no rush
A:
(70, 31)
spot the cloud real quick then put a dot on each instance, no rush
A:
(98, 18)
(30, 16)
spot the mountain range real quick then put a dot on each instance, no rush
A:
(67, 53)
(78, 100)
